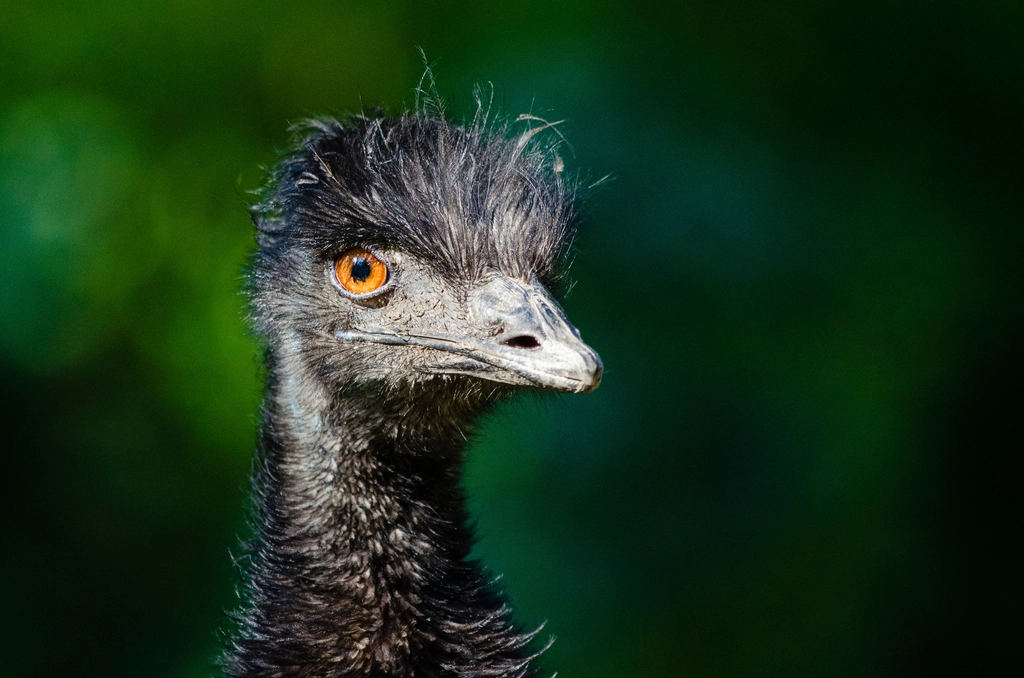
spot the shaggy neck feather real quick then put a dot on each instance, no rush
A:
(359, 563)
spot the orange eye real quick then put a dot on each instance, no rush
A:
(360, 272)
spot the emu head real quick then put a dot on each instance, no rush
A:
(397, 252)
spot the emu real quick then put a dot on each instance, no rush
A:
(405, 281)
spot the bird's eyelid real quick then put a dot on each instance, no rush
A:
(387, 255)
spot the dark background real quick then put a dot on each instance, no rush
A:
(804, 280)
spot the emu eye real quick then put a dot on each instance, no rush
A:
(360, 272)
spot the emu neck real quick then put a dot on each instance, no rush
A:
(353, 483)
(359, 567)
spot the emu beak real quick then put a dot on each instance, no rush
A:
(527, 340)
(532, 338)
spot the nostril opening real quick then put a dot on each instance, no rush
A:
(522, 341)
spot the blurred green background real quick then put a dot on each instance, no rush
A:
(804, 280)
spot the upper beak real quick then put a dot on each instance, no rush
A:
(532, 338)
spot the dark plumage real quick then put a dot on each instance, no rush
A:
(358, 565)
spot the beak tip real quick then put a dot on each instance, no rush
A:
(592, 374)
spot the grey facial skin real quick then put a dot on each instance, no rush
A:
(504, 330)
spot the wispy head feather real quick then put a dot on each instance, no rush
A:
(463, 197)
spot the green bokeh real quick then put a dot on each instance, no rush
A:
(803, 278)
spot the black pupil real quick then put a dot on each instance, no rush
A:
(360, 269)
